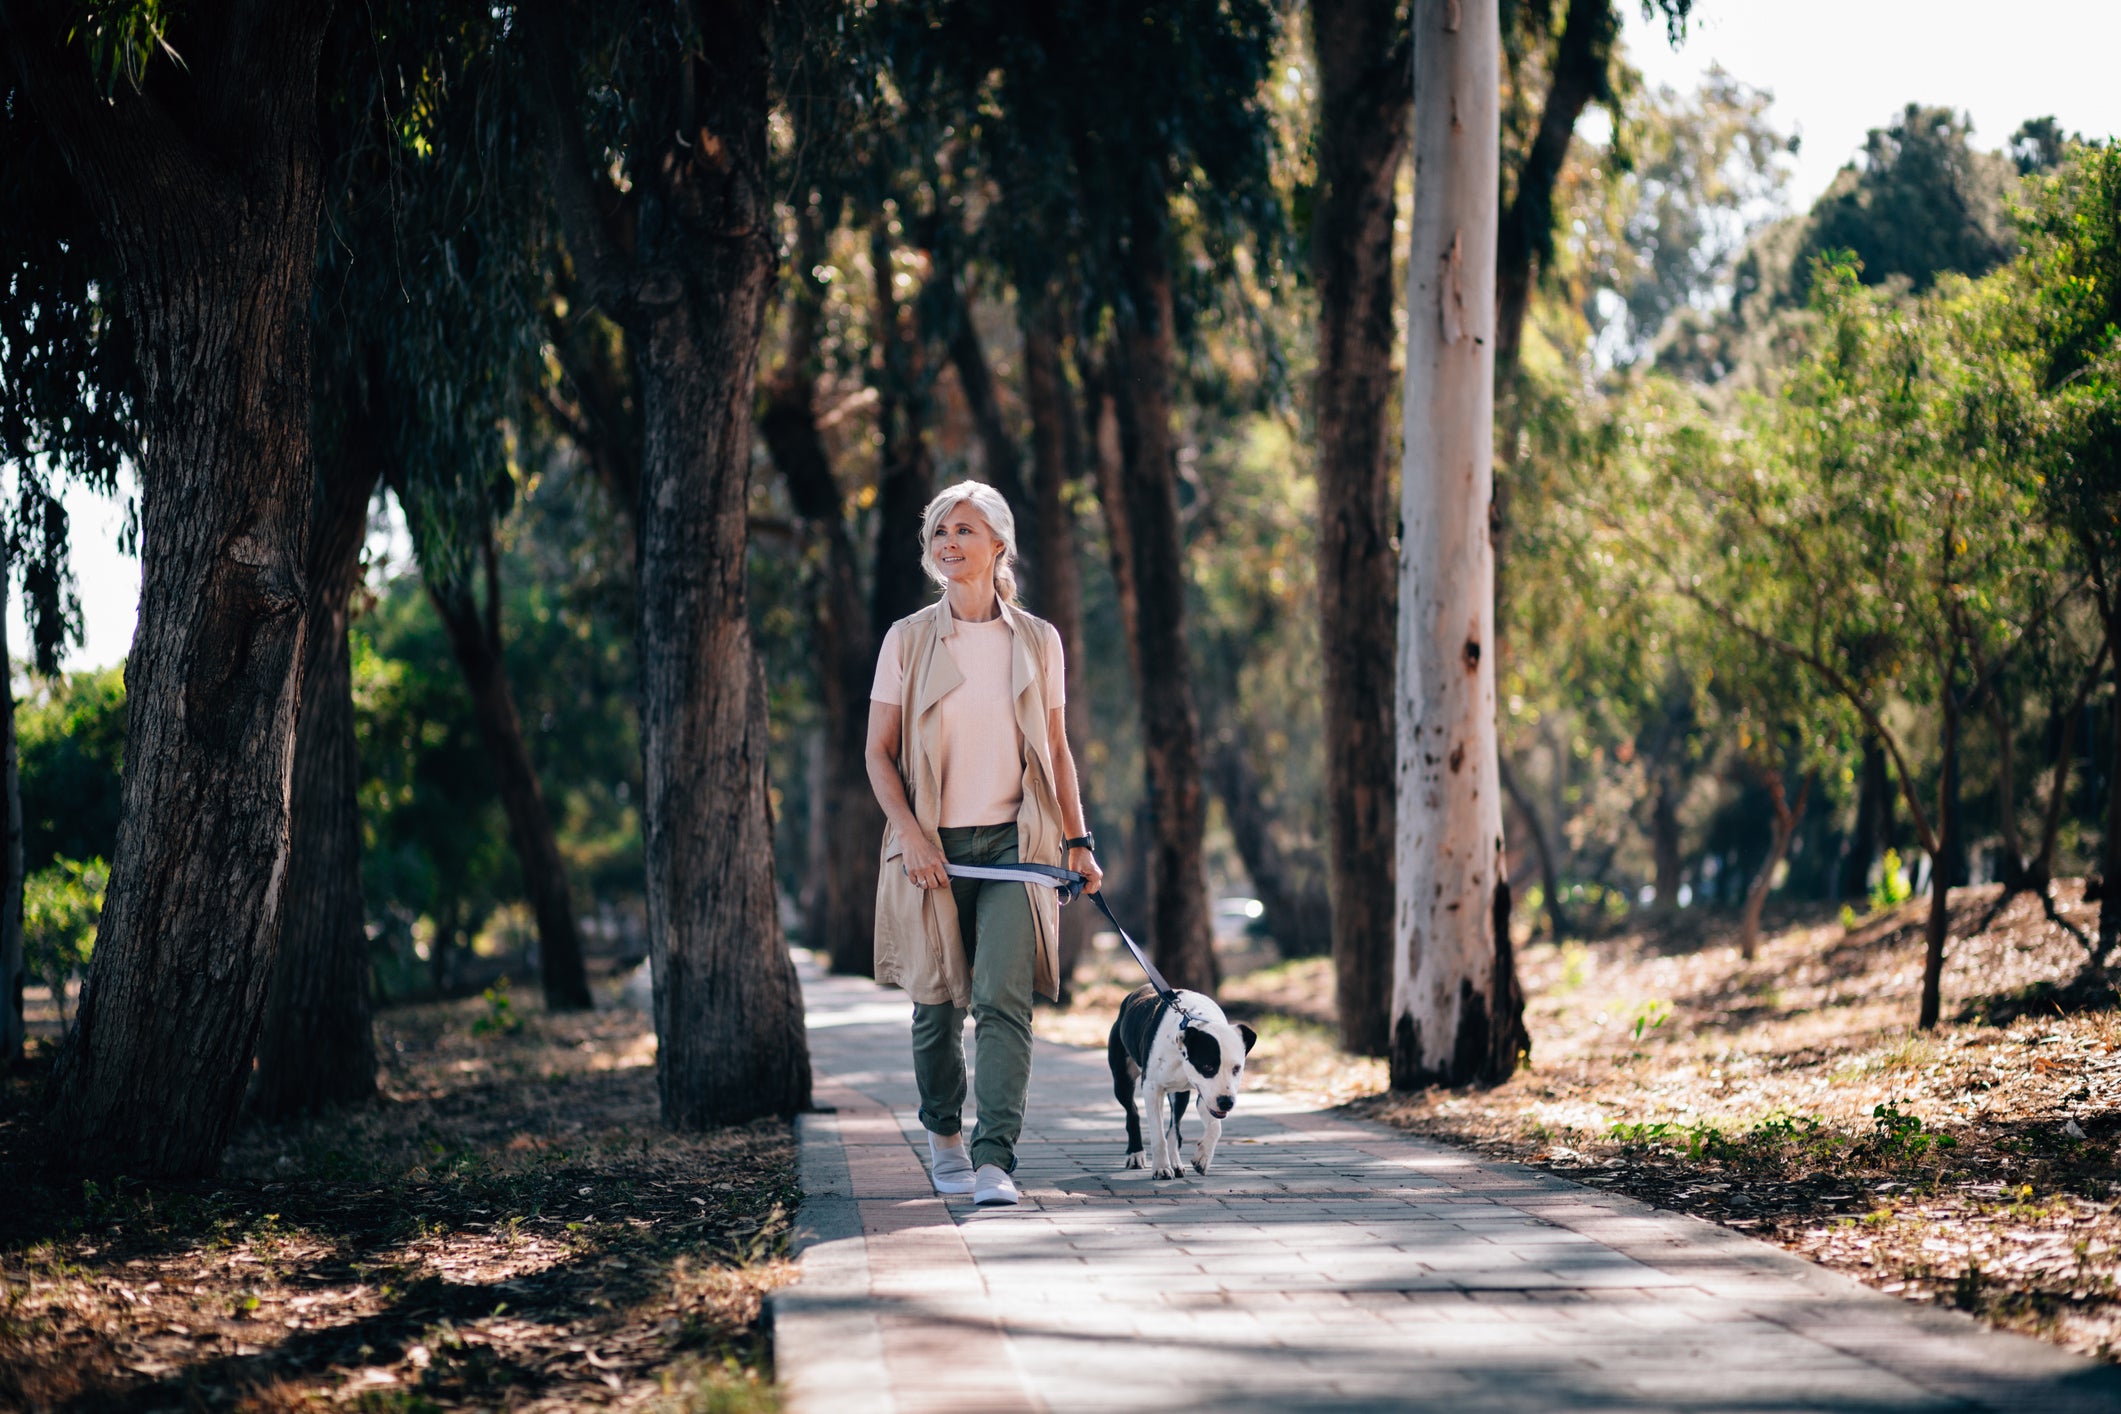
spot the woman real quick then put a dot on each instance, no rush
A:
(968, 754)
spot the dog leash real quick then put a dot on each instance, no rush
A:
(1067, 883)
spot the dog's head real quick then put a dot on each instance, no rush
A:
(1215, 1053)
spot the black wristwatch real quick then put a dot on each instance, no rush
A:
(1085, 840)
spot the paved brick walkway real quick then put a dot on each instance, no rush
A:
(1322, 1265)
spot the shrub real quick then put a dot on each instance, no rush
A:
(61, 906)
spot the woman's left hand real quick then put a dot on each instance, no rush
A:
(1083, 862)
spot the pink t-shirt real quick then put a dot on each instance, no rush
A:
(978, 751)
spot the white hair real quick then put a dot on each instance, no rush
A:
(1000, 519)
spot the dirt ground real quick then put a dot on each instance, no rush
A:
(1792, 1098)
(507, 1228)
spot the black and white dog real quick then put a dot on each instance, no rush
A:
(1179, 1049)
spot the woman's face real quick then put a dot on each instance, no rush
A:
(965, 547)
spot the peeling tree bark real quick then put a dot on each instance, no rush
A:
(206, 187)
(1457, 1013)
(1364, 71)
(315, 1048)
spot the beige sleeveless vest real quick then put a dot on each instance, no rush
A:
(918, 946)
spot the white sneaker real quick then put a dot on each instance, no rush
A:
(949, 1169)
(995, 1188)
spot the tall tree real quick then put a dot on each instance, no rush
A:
(1364, 77)
(1920, 201)
(426, 323)
(850, 821)
(1144, 353)
(1457, 1010)
(2075, 262)
(203, 179)
(14, 973)
(475, 638)
(315, 1047)
(680, 257)
(1056, 574)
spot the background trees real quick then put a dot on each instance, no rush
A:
(1805, 546)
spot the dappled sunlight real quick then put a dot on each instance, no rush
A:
(509, 1225)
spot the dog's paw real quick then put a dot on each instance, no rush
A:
(1137, 1160)
(1200, 1162)
(1170, 1173)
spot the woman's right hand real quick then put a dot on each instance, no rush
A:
(923, 860)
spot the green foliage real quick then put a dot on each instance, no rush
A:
(1897, 1134)
(1770, 1140)
(66, 369)
(435, 840)
(1920, 202)
(122, 36)
(1650, 1016)
(1892, 888)
(70, 744)
(61, 906)
(1662, 234)
(432, 279)
(500, 1018)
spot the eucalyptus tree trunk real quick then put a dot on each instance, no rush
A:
(475, 639)
(685, 271)
(905, 478)
(1294, 910)
(315, 1048)
(1363, 72)
(849, 821)
(1873, 828)
(1943, 849)
(1457, 1012)
(205, 186)
(1781, 829)
(1001, 464)
(1128, 885)
(1665, 843)
(1056, 577)
(1178, 888)
(14, 971)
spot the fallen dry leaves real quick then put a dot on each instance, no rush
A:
(1791, 1097)
(507, 1228)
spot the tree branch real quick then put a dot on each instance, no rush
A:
(585, 200)
(1524, 238)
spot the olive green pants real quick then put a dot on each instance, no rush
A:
(1001, 945)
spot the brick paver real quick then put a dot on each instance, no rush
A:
(1323, 1264)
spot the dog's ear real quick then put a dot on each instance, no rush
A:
(1203, 1052)
(1249, 1034)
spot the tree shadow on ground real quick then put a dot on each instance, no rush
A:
(496, 1226)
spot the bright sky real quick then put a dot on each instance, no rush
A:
(1837, 69)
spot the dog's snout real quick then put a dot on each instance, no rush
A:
(1224, 1104)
